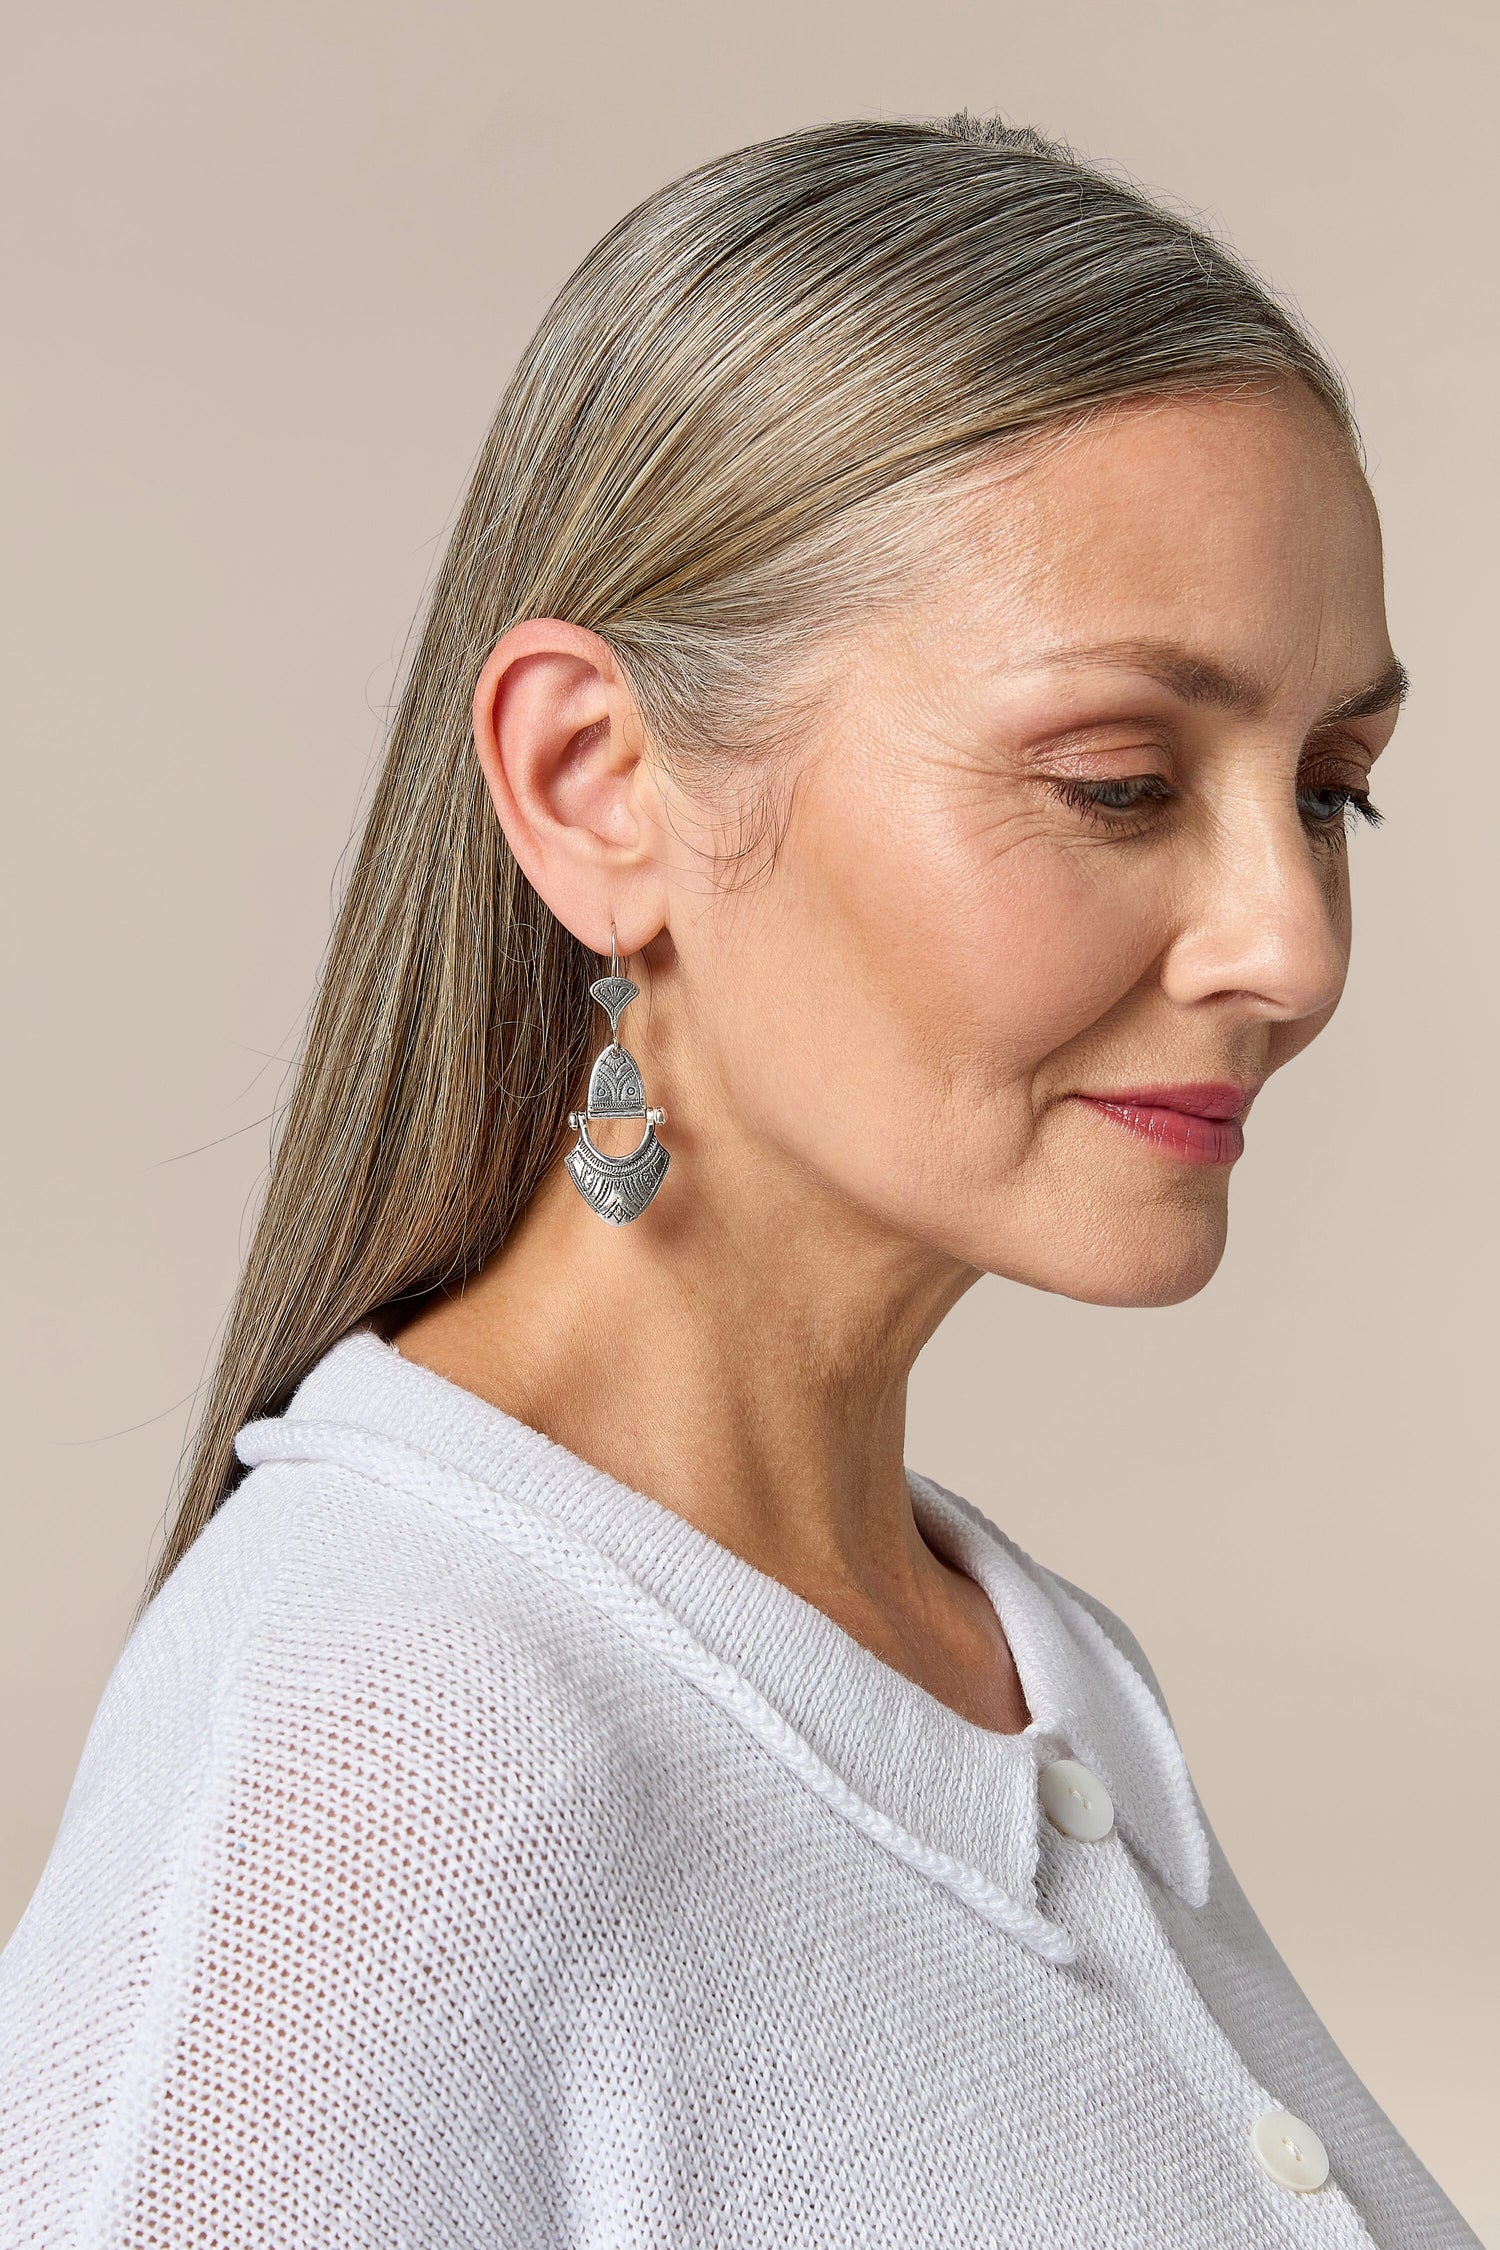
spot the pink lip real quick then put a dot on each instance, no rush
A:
(1202, 1124)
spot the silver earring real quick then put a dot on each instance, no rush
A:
(617, 1187)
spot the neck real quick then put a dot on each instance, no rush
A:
(743, 1362)
(742, 1359)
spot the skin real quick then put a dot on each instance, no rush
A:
(870, 1053)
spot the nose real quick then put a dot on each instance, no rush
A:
(1266, 920)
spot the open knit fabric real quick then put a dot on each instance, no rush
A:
(469, 1852)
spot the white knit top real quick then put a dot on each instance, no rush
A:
(469, 1852)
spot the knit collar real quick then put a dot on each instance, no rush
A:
(911, 1769)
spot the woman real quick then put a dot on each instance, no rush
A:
(911, 654)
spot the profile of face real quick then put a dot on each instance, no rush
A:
(1063, 870)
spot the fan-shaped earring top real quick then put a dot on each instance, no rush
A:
(617, 1187)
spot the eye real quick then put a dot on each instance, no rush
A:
(1111, 803)
(1327, 808)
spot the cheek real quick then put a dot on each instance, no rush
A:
(913, 970)
(1035, 950)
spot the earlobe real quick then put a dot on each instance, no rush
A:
(558, 735)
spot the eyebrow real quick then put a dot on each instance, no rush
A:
(1196, 678)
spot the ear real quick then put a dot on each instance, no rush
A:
(563, 748)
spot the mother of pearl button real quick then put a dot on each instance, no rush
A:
(1076, 1801)
(1289, 2150)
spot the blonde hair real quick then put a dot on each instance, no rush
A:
(752, 377)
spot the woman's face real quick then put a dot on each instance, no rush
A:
(1065, 875)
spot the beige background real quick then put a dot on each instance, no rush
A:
(268, 267)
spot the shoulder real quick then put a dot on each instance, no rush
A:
(375, 1616)
(340, 1659)
(349, 1799)
(345, 1711)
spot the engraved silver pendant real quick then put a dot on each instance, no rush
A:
(617, 1187)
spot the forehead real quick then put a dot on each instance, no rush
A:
(1235, 522)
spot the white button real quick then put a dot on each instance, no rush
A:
(1289, 2150)
(1076, 1801)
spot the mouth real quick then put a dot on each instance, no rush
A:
(1197, 1124)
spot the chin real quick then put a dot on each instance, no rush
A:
(1163, 1264)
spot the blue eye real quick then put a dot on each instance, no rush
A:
(1099, 800)
(1323, 808)
(1119, 796)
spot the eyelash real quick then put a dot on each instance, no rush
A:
(1101, 802)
